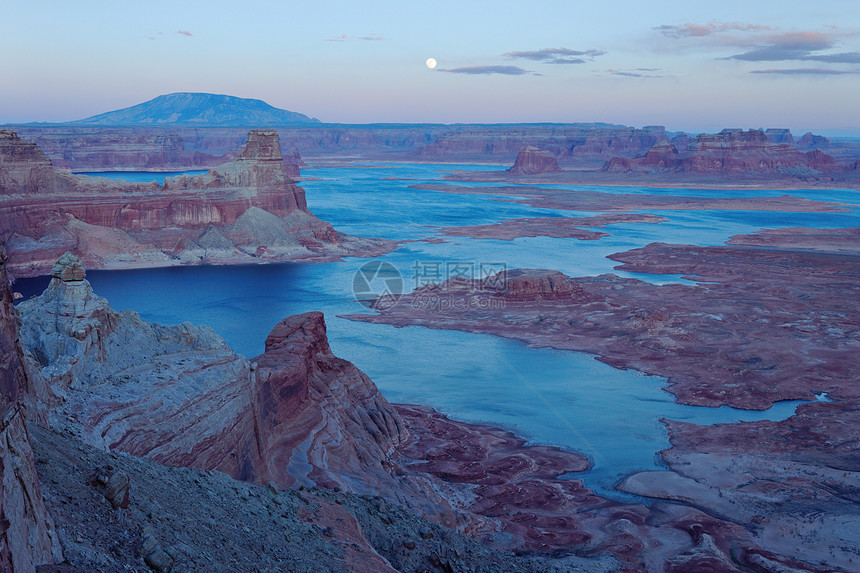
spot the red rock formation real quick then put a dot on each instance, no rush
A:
(27, 536)
(320, 419)
(247, 210)
(120, 149)
(730, 152)
(533, 161)
(772, 475)
(804, 238)
(182, 148)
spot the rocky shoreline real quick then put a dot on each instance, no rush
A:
(761, 324)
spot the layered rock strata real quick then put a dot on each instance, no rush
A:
(531, 161)
(245, 211)
(730, 152)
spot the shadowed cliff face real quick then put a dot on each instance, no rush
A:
(179, 395)
(27, 536)
(245, 211)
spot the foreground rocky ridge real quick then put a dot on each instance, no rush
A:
(184, 520)
(27, 534)
(297, 415)
(245, 211)
(116, 512)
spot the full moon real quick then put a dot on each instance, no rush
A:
(431, 63)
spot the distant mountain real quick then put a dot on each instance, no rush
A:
(200, 109)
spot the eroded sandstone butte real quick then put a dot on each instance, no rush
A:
(27, 535)
(245, 211)
(532, 160)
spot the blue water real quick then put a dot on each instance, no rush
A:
(140, 176)
(547, 396)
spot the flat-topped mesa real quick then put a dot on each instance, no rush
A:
(533, 161)
(779, 135)
(260, 164)
(533, 283)
(259, 169)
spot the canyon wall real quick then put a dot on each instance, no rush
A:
(27, 536)
(730, 152)
(244, 211)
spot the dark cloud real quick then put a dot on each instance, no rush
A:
(184, 32)
(478, 70)
(805, 71)
(698, 30)
(557, 55)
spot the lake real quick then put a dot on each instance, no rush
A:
(547, 396)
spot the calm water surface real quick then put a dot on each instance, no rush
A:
(548, 396)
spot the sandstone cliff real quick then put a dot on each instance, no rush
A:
(533, 161)
(180, 396)
(568, 143)
(730, 152)
(244, 211)
(27, 536)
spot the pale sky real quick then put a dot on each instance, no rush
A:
(690, 66)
